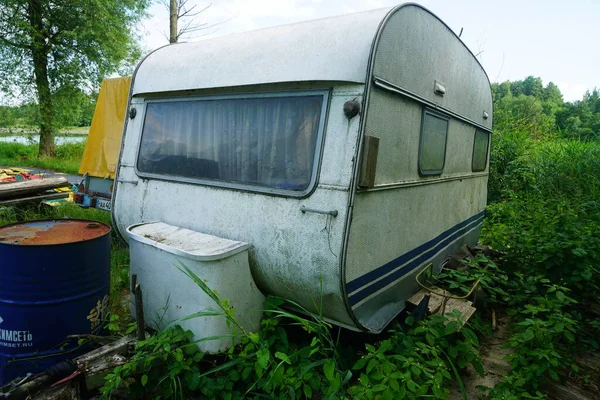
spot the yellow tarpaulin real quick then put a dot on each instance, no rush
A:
(104, 140)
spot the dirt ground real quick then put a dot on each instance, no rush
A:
(494, 364)
(584, 385)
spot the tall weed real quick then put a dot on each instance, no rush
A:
(544, 210)
(554, 237)
(508, 164)
(550, 168)
(567, 168)
(67, 159)
(544, 215)
(417, 360)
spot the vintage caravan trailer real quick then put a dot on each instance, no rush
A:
(348, 152)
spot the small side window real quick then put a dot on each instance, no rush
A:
(480, 150)
(432, 146)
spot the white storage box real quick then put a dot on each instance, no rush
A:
(158, 251)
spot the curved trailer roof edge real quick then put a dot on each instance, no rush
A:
(300, 52)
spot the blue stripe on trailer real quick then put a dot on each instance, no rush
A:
(426, 250)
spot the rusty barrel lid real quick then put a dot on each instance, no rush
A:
(52, 231)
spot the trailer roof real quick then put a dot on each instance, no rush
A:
(405, 49)
(329, 49)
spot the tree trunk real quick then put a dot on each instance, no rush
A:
(173, 21)
(39, 50)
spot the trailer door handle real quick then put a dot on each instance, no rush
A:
(126, 181)
(333, 213)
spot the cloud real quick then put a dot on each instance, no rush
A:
(572, 91)
(234, 16)
(244, 15)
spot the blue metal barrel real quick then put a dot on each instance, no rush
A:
(54, 282)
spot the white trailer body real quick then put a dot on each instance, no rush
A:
(245, 137)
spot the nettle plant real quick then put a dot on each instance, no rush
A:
(543, 334)
(543, 326)
(417, 361)
(169, 365)
(418, 358)
(480, 270)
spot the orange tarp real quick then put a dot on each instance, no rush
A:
(104, 139)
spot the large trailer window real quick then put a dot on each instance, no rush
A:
(480, 150)
(432, 146)
(265, 143)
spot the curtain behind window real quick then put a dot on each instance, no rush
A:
(267, 141)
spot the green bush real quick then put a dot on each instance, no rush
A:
(544, 210)
(508, 164)
(544, 215)
(16, 152)
(543, 335)
(566, 168)
(264, 364)
(417, 360)
(553, 237)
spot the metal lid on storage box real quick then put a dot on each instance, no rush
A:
(185, 242)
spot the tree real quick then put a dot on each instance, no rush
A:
(181, 11)
(581, 119)
(527, 106)
(533, 86)
(552, 94)
(50, 44)
(73, 107)
(500, 90)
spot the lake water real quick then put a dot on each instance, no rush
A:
(58, 140)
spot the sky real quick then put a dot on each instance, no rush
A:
(553, 40)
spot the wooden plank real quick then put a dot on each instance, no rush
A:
(120, 346)
(38, 198)
(65, 391)
(569, 391)
(583, 385)
(92, 368)
(22, 188)
(437, 305)
(139, 312)
(435, 302)
(98, 363)
(368, 164)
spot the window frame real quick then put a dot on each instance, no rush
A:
(487, 150)
(436, 114)
(319, 143)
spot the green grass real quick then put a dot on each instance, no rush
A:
(67, 159)
(119, 258)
